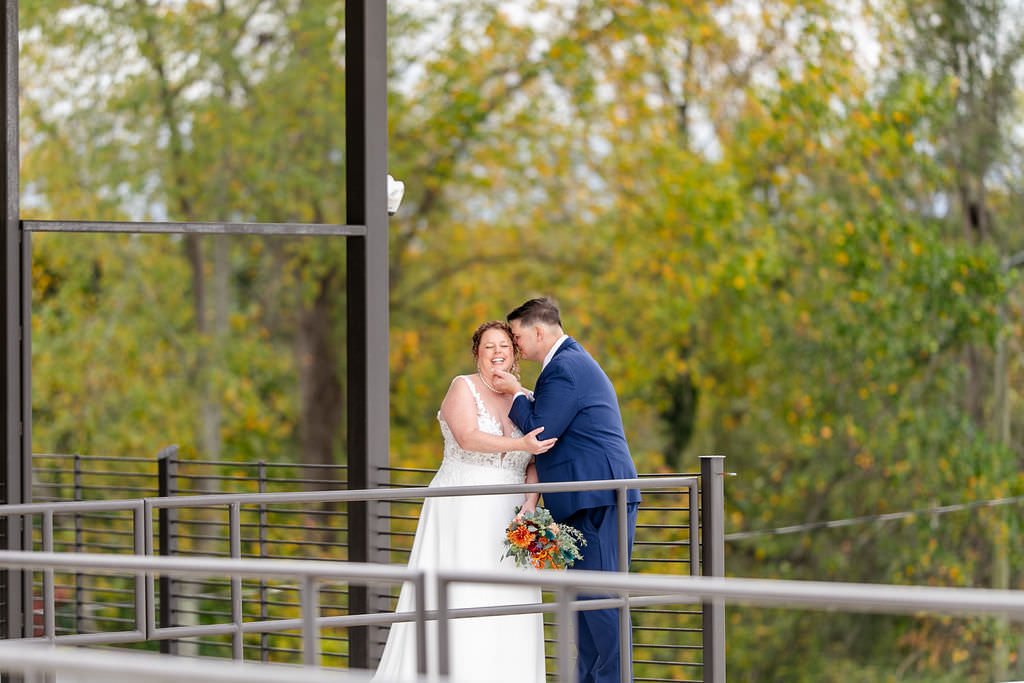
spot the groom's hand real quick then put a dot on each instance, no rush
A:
(506, 382)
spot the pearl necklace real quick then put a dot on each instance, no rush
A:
(480, 375)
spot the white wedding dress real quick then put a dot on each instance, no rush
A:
(467, 533)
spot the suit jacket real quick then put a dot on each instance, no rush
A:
(574, 400)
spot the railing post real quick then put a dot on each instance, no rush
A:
(167, 470)
(712, 524)
(143, 588)
(443, 628)
(694, 515)
(420, 589)
(76, 474)
(625, 621)
(264, 612)
(310, 601)
(235, 541)
(147, 535)
(49, 600)
(567, 635)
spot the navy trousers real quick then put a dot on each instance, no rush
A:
(597, 631)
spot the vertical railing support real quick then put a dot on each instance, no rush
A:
(712, 524)
(420, 589)
(167, 474)
(694, 515)
(76, 465)
(262, 527)
(141, 545)
(625, 621)
(235, 541)
(49, 599)
(567, 635)
(443, 628)
(147, 535)
(310, 600)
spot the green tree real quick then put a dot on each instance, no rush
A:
(760, 235)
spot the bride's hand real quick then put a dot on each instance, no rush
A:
(528, 507)
(532, 444)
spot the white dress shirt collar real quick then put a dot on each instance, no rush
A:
(551, 352)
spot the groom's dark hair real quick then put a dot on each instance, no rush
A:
(542, 310)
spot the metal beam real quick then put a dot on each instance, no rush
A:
(15, 455)
(712, 525)
(367, 296)
(368, 439)
(212, 228)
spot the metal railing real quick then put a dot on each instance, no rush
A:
(60, 477)
(623, 589)
(140, 527)
(669, 641)
(309, 573)
(43, 662)
(295, 531)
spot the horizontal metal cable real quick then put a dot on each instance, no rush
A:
(246, 463)
(871, 519)
(70, 456)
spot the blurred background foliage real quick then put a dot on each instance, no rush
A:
(790, 231)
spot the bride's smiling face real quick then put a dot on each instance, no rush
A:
(495, 351)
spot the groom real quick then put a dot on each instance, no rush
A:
(575, 402)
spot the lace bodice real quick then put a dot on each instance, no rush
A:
(511, 464)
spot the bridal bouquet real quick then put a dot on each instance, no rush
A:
(535, 540)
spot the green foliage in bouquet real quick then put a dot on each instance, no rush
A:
(535, 540)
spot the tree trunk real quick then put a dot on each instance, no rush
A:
(211, 318)
(319, 387)
(321, 401)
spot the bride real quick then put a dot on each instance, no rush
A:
(481, 446)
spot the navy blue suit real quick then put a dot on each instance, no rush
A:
(575, 401)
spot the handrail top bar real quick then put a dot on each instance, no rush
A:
(134, 666)
(866, 597)
(210, 566)
(208, 228)
(884, 598)
(378, 494)
(71, 506)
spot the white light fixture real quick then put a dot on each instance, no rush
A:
(396, 189)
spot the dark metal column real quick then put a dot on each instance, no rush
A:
(367, 283)
(167, 520)
(15, 458)
(712, 557)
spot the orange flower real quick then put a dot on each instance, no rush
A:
(521, 536)
(543, 557)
